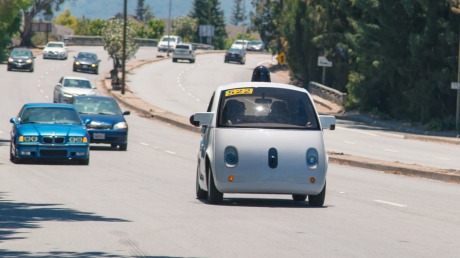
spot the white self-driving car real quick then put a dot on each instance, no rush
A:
(265, 138)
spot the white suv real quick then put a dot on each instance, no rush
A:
(163, 45)
(184, 51)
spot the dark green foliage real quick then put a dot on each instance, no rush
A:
(209, 12)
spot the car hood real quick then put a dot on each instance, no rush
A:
(78, 91)
(54, 49)
(103, 119)
(85, 61)
(21, 57)
(52, 129)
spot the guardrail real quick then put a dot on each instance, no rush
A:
(325, 92)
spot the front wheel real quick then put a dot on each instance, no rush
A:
(214, 195)
(15, 159)
(200, 193)
(123, 146)
(318, 200)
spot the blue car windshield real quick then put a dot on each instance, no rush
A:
(97, 106)
(50, 115)
(263, 107)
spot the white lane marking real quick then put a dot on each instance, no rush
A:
(349, 142)
(341, 192)
(143, 143)
(46, 97)
(1, 131)
(359, 131)
(390, 150)
(394, 135)
(390, 203)
(170, 152)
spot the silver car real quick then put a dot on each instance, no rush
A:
(184, 51)
(264, 138)
(72, 86)
(55, 50)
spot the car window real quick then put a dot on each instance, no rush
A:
(55, 45)
(182, 47)
(77, 83)
(50, 115)
(21, 52)
(97, 106)
(267, 108)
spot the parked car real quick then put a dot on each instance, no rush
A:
(255, 45)
(262, 138)
(235, 55)
(72, 86)
(240, 44)
(86, 61)
(168, 43)
(49, 131)
(55, 50)
(184, 51)
(21, 59)
(106, 122)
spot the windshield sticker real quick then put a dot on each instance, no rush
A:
(238, 92)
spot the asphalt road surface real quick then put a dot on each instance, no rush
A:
(141, 203)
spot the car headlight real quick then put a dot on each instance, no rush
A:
(29, 61)
(28, 138)
(77, 63)
(10, 60)
(312, 158)
(121, 125)
(231, 156)
(76, 139)
(93, 65)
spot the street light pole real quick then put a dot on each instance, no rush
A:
(123, 67)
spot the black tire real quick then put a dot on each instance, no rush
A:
(13, 158)
(84, 162)
(200, 193)
(123, 146)
(192, 61)
(318, 200)
(299, 197)
(8, 68)
(214, 195)
(174, 60)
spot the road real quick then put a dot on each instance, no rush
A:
(141, 203)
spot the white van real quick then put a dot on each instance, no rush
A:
(173, 41)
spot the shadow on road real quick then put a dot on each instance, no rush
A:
(16, 216)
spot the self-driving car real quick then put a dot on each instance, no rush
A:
(49, 131)
(105, 120)
(265, 138)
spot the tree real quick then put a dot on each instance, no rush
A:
(143, 12)
(68, 20)
(185, 27)
(10, 22)
(112, 34)
(45, 7)
(209, 12)
(267, 20)
(239, 13)
(152, 29)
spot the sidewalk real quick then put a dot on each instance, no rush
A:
(148, 110)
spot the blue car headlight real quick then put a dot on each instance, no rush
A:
(312, 158)
(121, 125)
(28, 138)
(78, 139)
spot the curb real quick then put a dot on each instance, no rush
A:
(147, 110)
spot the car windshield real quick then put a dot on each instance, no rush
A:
(266, 108)
(77, 83)
(182, 47)
(55, 45)
(97, 106)
(89, 56)
(235, 51)
(20, 52)
(255, 43)
(170, 39)
(50, 115)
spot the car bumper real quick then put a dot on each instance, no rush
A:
(234, 59)
(43, 151)
(108, 136)
(164, 48)
(19, 66)
(179, 56)
(54, 56)
(84, 67)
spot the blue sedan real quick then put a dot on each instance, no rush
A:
(105, 120)
(49, 131)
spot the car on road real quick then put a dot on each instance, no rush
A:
(55, 50)
(105, 120)
(86, 62)
(21, 59)
(235, 55)
(184, 51)
(255, 45)
(49, 131)
(240, 44)
(168, 43)
(72, 86)
(262, 138)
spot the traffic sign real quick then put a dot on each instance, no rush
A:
(322, 61)
(455, 85)
(281, 58)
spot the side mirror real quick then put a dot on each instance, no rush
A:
(193, 122)
(201, 119)
(13, 121)
(126, 113)
(327, 122)
(87, 121)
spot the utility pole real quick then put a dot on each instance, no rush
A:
(123, 67)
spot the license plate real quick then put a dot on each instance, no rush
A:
(99, 136)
